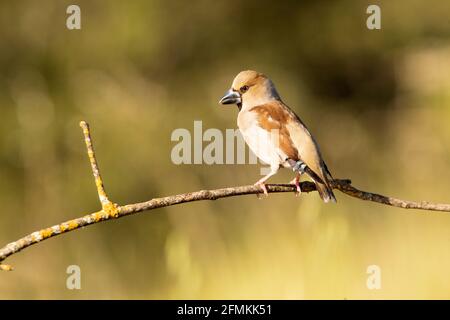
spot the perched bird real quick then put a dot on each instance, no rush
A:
(275, 134)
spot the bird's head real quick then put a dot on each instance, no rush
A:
(250, 88)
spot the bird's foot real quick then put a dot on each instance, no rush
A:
(296, 182)
(264, 189)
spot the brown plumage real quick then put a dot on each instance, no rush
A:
(275, 133)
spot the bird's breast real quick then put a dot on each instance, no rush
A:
(259, 140)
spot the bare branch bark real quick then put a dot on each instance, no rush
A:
(111, 210)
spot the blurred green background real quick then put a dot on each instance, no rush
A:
(378, 103)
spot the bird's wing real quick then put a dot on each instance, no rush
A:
(295, 141)
(272, 118)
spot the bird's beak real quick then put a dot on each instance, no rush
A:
(231, 97)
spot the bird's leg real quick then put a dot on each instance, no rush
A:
(299, 168)
(296, 182)
(260, 182)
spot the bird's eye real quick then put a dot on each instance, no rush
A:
(243, 89)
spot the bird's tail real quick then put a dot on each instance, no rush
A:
(322, 185)
(325, 192)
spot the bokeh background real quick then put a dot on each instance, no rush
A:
(378, 103)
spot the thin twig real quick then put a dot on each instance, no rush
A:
(107, 205)
(111, 210)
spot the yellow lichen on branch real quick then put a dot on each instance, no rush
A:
(107, 205)
(6, 267)
(111, 210)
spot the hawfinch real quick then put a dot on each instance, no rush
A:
(275, 134)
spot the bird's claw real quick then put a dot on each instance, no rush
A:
(264, 189)
(298, 190)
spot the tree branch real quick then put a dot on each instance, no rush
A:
(107, 206)
(111, 210)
